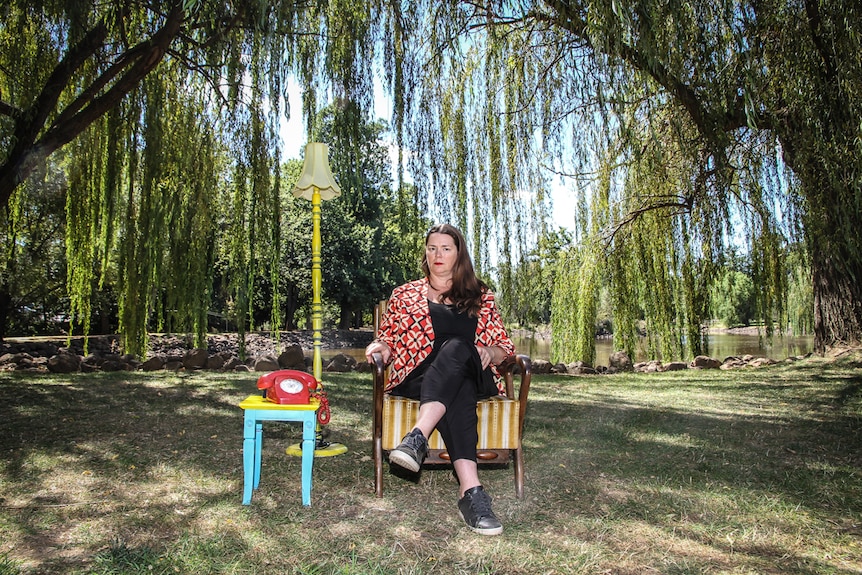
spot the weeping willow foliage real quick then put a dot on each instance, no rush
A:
(166, 238)
(471, 130)
(684, 128)
(182, 179)
(577, 283)
(660, 247)
(573, 316)
(84, 187)
(800, 296)
(636, 107)
(660, 241)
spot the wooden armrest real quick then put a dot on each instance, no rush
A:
(379, 371)
(507, 370)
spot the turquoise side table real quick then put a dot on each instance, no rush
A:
(257, 410)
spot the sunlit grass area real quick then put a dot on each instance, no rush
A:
(750, 471)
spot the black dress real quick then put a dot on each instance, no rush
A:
(449, 324)
(452, 375)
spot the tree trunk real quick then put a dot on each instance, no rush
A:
(820, 149)
(5, 304)
(837, 294)
(345, 316)
(291, 304)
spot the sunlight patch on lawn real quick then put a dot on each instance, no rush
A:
(200, 409)
(676, 440)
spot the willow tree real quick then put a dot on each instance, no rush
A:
(708, 118)
(165, 116)
(721, 122)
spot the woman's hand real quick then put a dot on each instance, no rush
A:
(489, 355)
(380, 347)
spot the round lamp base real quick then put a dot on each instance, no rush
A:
(324, 450)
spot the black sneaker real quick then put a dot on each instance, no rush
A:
(411, 452)
(475, 509)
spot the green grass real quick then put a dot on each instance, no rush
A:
(719, 472)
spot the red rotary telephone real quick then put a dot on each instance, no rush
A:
(288, 386)
(293, 387)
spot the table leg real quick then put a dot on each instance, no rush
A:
(258, 445)
(248, 457)
(309, 440)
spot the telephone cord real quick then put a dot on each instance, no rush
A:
(323, 413)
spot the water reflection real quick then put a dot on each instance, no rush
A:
(721, 346)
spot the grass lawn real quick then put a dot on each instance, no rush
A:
(719, 472)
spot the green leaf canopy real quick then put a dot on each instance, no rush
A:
(683, 128)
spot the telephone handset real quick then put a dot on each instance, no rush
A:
(287, 386)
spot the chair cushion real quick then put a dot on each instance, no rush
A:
(498, 423)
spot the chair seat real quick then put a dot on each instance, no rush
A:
(498, 423)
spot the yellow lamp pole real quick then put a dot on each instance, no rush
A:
(316, 183)
(316, 285)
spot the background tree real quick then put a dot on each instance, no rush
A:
(733, 298)
(294, 271)
(406, 227)
(356, 242)
(353, 230)
(526, 299)
(32, 268)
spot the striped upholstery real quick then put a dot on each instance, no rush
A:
(498, 423)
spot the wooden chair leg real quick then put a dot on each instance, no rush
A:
(518, 465)
(378, 466)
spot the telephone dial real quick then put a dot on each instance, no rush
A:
(294, 387)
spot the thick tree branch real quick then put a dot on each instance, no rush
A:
(105, 78)
(29, 122)
(712, 126)
(815, 23)
(34, 119)
(147, 57)
(678, 204)
(29, 152)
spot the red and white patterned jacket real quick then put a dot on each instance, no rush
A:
(406, 329)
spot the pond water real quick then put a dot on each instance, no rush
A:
(721, 346)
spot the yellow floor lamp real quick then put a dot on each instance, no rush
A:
(316, 183)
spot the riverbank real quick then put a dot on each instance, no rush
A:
(341, 350)
(259, 351)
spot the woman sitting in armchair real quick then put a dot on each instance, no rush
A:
(443, 336)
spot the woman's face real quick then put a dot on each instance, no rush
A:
(441, 253)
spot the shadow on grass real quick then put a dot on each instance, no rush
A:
(81, 446)
(798, 437)
(115, 421)
(151, 464)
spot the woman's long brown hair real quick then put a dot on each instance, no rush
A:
(466, 290)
